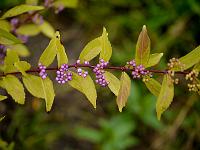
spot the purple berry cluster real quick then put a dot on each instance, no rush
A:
(42, 72)
(138, 71)
(98, 70)
(80, 72)
(63, 75)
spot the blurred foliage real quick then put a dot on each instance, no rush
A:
(173, 27)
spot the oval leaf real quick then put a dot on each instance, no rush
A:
(86, 86)
(154, 59)
(91, 50)
(28, 30)
(124, 91)
(22, 66)
(2, 97)
(106, 50)
(153, 86)
(20, 49)
(14, 88)
(47, 29)
(20, 10)
(6, 38)
(114, 82)
(190, 59)
(166, 95)
(5, 25)
(142, 48)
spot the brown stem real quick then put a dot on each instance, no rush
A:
(119, 68)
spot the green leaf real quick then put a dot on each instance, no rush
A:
(20, 49)
(124, 91)
(166, 95)
(10, 59)
(154, 59)
(69, 3)
(197, 66)
(47, 29)
(106, 50)
(86, 86)
(14, 88)
(20, 9)
(61, 55)
(2, 97)
(49, 53)
(5, 25)
(6, 38)
(22, 66)
(142, 48)
(114, 82)
(91, 50)
(48, 91)
(153, 86)
(28, 30)
(190, 59)
(41, 88)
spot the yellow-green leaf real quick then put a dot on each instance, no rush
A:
(114, 82)
(10, 59)
(153, 86)
(49, 53)
(197, 66)
(86, 86)
(32, 2)
(91, 50)
(2, 97)
(142, 48)
(6, 38)
(47, 29)
(154, 59)
(22, 66)
(48, 91)
(106, 50)
(28, 30)
(190, 59)
(61, 55)
(5, 25)
(124, 91)
(68, 3)
(20, 49)
(41, 88)
(166, 95)
(14, 88)
(20, 9)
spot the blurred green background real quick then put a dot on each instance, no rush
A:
(73, 124)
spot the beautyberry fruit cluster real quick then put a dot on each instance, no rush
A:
(80, 72)
(63, 74)
(98, 70)
(42, 72)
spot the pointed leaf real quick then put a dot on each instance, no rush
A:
(197, 66)
(91, 50)
(124, 91)
(166, 95)
(41, 88)
(2, 97)
(154, 59)
(142, 48)
(106, 50)
(190, 59)
(5, 25)
(61, 55)
(15, 88)
(20, 49)
(22, 66)
(86, 86)
(47, 29)
(6, 38)
(28, 30)
(153, 86)
(20, 9)
(114, 82)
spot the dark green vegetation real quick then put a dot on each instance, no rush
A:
(73, 124)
